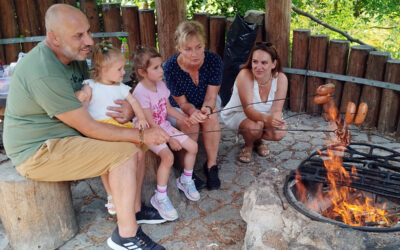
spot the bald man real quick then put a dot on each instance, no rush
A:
(50, 136)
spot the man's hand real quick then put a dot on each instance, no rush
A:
(122, 113)
(155, 136)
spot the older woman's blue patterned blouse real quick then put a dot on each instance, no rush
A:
(180, 83)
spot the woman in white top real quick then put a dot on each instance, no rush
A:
(255, 108)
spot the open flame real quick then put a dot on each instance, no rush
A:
(336, 200)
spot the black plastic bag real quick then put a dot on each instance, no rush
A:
(240, 39)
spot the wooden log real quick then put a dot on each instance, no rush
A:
(89, 7)
(372, 95)
(150, 181)
(35, 215)
(217, 34)
(2, 54)
(8, 28)
(228, 23)
(277, 27)
(390, 104)
(70, 2)
(27, 21)
(170, 13)
(338, 52)
(356, 67)
(42, 6)
(301, 41)
(130, 23)
(317, 61)
(112, 20)
(204, 19)
(147, 27)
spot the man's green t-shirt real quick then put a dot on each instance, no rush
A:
(41, 87)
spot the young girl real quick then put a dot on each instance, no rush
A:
(103, 89)
(153, 94)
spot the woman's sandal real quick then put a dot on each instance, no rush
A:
(245, 155)
(110, 206)
(261, 149)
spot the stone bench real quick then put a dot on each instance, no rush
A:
(35, 215)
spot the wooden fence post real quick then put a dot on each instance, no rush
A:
(317, 60)
(372, 95)
(338, 52)
(389, 110)
(112, 20)
(204, 19)
(42, 5)
(130, 22)
(217, 35)
(147, 27)
(301, 42)
(8, 27)
(170, 13)
(2, 55)
(277, 25)
(356, 67)
(27, 21)
(89, 7)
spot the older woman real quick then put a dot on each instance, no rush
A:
(194, 77)
(255, 108)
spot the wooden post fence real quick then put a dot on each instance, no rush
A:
(27, 21)
(217, 34)
(112, 20)
(170, 13)
(8, 25)
(147, 27)
(338, 51)
(357, 66)
(372, 95)
(317, 60)
(42, 6)
(89, 7)
(204, 19)
(390, 104)
(277, 25)
(301, 41)
(130, 22)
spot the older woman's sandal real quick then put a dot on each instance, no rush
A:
(261, 149)
(245, 155)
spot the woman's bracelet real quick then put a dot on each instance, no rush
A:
(141, 136)
(211, 110)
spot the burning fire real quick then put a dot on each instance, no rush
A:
(336, 200)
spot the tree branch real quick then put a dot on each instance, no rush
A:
(343, 33)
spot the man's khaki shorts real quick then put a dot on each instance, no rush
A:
(74, 158)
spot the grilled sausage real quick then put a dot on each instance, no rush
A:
(321, 99)
(350, 113)
(361, 113)
(326, 89)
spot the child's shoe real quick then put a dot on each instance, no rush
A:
(110, 206)
(189, 188)
(165, 208)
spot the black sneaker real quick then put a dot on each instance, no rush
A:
(199, 183)
(139, 241)
(213, 181)
(149, 215)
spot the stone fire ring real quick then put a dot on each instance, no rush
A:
(274, 224)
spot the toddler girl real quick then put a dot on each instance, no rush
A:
(153, 95)
(103, 89)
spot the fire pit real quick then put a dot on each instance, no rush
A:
(357, 186)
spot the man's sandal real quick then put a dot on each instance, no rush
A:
(261, 149)
(245, 155)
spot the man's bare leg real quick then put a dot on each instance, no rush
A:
(123, 185)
